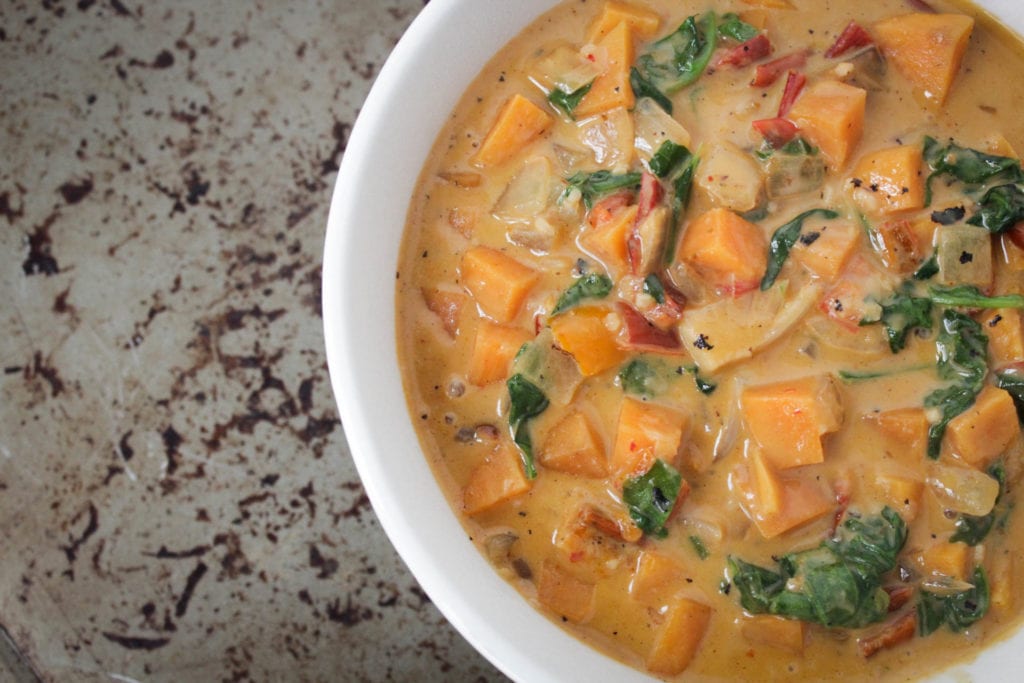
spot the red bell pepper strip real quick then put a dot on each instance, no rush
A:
(777, 131)
(852, 37)
(752, 50)
(641, 334)
(769, 72)
(795, 82)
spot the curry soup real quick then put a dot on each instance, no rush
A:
(710, 318)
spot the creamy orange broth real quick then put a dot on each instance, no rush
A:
(589, 572)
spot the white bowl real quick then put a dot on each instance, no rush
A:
(433, 64)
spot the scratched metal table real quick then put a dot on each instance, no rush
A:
(177, 501)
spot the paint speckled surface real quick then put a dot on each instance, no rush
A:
(177, 501)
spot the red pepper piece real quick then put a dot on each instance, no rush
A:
(752, 50)
(794, 84)
(852, 37)
(777, 131)
(769, 72)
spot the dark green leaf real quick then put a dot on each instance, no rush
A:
(598, 183)
(1012, 380)
(731, 26)
(678, 59)
(525, 401)
(639, 377)
(651, 497)
(901, 313)
(698, 545)
(999, 209)
(968, 296)
(644, 88)
(668, 158)
(681, 186)
(568, 101)
(703, 385)
(928, 269)
(972, 529)
(783, 240)
(796, 147)
(592, 286)
(966, 165)
(652, 287)
(958, 611)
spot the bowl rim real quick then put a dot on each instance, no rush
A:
(377, 167)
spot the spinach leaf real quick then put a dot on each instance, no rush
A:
(966, 165)
(653, 288)
(668, 158)
(972, 529)
(698, 545)
(957, 611)
(968, 296)
(642, 87)
(962, 348)
(526, 401)
(901, 313)
(837, 584)
(1000, 208)
(592, 286)
(704, 386)
(783, 240)
(678, 59)
(731, 26)
(928, 269)
(651, 497)
(568, 101)
(593, 185)
(681, 186)
(640, 378)
(1013, 382)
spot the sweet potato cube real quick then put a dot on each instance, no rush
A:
(766, 487)
(902, 494)
(493, 350)
(646, 432)
(654, 574)
(986, 429)
(831, 115)
(778, 503)
(608, 241)
(574, 447)
(499, 478)
(678, 637)
(1000, 581)
(447, 306)
(948, 559)
(642, 22)
(890, 180)
(775, 632)
(611, 89)
(926, 48)
(826, 254)
(584, 334)
(498, 282)
(519, 122)
(564, 594)
(1005, 332)
(789, 418)
(905, 431)
(726, 250)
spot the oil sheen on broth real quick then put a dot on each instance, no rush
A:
(710, 320)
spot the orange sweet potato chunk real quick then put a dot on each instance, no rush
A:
(498, 282)
(902, 494)
(643, 22)
(948, 559)
(830, 250)
(574, 447)
(611, 89)
(1005, 331)
(775, 632)
(654, 574)
(905, 431)
(986, 429)
(608, 240)
(499, 478)
(890, 180)
(926, 48)
(493, 349)
(800, 501)
(583, 333)
(789, 418)
(726, 250)
(830, 115)
(518, 123)
(646, 432)
(564, 594)
(678, 637)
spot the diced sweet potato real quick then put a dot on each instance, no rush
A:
(646, 432)
(654, 577)
(1005, 331)
(643, 22)
(493, 350)
(766, 487)
(564, 594)
(497, 479)
(906, 432)
(583, 333)
(573, 446)
(519, 122)
(498, 282)
(607, 241)
(948, 559)
(1000, 581)
(831, 115)
(726, 250)
(827, 253)
(901, 493)
(775, 632)
(926, 48)
(890, 180)
(678, 637)
(447, 306)
(789, 418)
(611, 89)
(986, 429)
(777, 503)
(590, 538)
